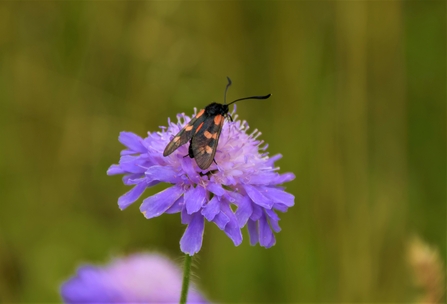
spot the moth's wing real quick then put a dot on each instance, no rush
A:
(204, 141)
(185, 134)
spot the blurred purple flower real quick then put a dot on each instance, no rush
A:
(139, 278)
(244, 177)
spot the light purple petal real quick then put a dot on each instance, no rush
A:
(234, 197)
(132, 141)
(131, 196)
(278, 196)
(221, 220)
(273, 219)
(211, 209)
(257, 212)
(191, 241)
(263, 178)
(132, 164)
(234, 232)
(185, 217)
(115, 169)
(232, 229)
(127, 152)
(244, 211)
(133, 179)
(155, 205)
(253, 232)
(270, 178)
(280, 207)
(229, 181)
(177, 206)
(284, 178)
(216, 189)
(188, 168)
(195, 199)
(271, 160)
(257, 197)
(266, 237)
(271, 215)
(162, 173)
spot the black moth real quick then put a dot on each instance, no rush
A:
(203, 131)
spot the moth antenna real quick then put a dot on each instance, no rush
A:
(252, 97)
(226, 89)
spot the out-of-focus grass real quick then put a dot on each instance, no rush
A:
(358, 111)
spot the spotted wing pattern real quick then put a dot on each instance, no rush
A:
(185, 134)
(205, 139)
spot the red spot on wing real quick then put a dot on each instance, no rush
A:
(217, 119)
(200, 113)
(199, 127)
(208, 149)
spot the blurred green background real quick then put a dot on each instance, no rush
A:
(358, 112)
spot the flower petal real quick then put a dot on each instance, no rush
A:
(266, 237)
(253, 232)
(132, 141)
(221, 220)
(188, 168)
(257, 197)
(232, 228)
(257, 212)
(273, 219)
(271, 160)
(162, 173)
(270, 178)
(279, 196)
(284, 178)
(195, 199)
(156, 204)
(191, 241)
(211, 209)
(127, 152)
(177, 206)
(131, 196)
(233, 231)
(133, 179)
(280, 207)
(115, 169)
(216, 189)
(185, 217)
(132, 164)
(244, 211)
(263, 178)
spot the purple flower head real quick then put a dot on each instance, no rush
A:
(243, 188)
(140, 278)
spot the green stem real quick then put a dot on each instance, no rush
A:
(186, 276)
